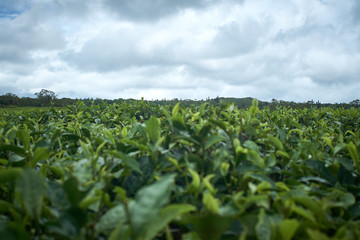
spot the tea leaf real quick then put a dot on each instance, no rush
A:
(288, 228)
(31, 188)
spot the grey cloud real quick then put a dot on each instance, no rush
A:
(105, 53)
(13, 5)
(356, 11)
(144, 10)
(54, 8)
(11, 54)
(115, 50)
(38, 27)
(71, 9)
(327, 68)
(235, 39)
(12, 8)
(25, 35)
(306, 30)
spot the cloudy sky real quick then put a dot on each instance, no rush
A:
(294, 50)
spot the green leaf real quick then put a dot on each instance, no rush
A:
(86, 151)
(310, 204)
(148, 201)
(59, 171)
(354, 154)
(15, 149)
(347, 163)
(209, 226)
(13, 231)
(224, 168)
(316, 235)
(262, 228)
(320, 169)
(86, 202)
(338, 198)
(282, 154)
(251, 145)
(130, 162)
(24, 137)
(254, 106)
(5, 206)
(40, 154)
(219, 123)
(124, 132)
(9, 174)
(109, 136)
(74, 195)
(195, 184)
(254, 157)
(166, 215)
(327, 140)
(276, 142)
(31, 188)
(86, 133)
(178, 122)
(111, 219)
(122, 231)
(120, 193)
(338, 147)
(270, 160)
(153, 129)
(304, 213)
(261, 178)
(174, 162)
(288, 228)
(175, 109)
(71, 136)
(4, 161)
(210, 203)
(207, 184)
(213, 140)
(191, 236)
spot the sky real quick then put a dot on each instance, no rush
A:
(292, 50)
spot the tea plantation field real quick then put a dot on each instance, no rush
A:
(138, 171)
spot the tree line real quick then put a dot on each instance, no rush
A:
(47, 98)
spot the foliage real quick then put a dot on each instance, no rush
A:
(141, 171)
(47, 98)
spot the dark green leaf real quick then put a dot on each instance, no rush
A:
(9, 174)
(24, 137)
(213, 140)
(210, 227)
(165, 216)
(74, 195)
(111, 219)
(148, 202)
(40, 154)
(31, 187)
(15, 149)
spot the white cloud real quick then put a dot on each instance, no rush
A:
(291, 50)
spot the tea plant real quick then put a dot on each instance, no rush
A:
(137, 171)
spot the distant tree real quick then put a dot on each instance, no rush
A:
(274, 101)
(11, 95)
(355, 102)
(46, 97)
(9, 99)
(311, 102)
